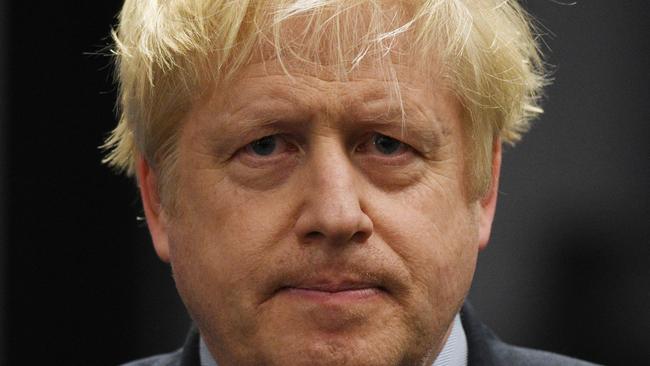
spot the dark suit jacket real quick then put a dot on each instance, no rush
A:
(484, 349)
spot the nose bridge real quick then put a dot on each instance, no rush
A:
(332, 210)
(332, 172)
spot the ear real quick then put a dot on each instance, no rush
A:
(488, 203)
(153, 210)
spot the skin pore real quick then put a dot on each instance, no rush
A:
(318, 225)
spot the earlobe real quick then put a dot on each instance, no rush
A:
(489, 201)
(154, 212)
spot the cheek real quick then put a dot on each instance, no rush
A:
(226, 236)
(435, 233)
(221, 250)
(225, 211)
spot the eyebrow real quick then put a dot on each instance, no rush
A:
(260, 113)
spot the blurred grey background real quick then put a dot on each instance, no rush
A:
(567, 269)
(568, 266)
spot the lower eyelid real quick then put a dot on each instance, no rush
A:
(274, 161)
(402, 159)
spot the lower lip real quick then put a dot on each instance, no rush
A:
(352, 295)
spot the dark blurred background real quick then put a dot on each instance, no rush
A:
(567, 270)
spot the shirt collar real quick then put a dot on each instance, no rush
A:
(454, 353)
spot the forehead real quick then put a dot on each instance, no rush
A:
(346, 54)
(361, 53)
(385, 83)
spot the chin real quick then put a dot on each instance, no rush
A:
(353, 351)
(384, 339)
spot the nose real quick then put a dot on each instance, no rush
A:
(332, 211)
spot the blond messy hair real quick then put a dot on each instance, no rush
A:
(168, 53)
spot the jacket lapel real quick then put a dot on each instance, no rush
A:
(191, 355)
(481, 341)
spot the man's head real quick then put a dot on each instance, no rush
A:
(321, 174)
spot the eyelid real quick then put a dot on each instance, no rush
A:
(251, 159)
(369, 140)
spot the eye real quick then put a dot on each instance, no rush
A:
(268, 147)
(264, 146)
(382, 145)
(387, 145)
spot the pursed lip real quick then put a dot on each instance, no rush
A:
(332, 290)
(333, 286)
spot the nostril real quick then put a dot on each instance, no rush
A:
(360, 236)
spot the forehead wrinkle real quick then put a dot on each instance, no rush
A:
(250, 100)
(263, 111)
(363, 97)
(303, 93)
(409, 113)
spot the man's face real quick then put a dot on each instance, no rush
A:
(315, 225)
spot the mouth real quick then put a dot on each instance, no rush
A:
(332, 291)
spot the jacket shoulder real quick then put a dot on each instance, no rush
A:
(486, 349)
(167, 359)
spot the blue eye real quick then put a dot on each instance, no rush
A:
(270, 146)
(386, 145)
(264, 146)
